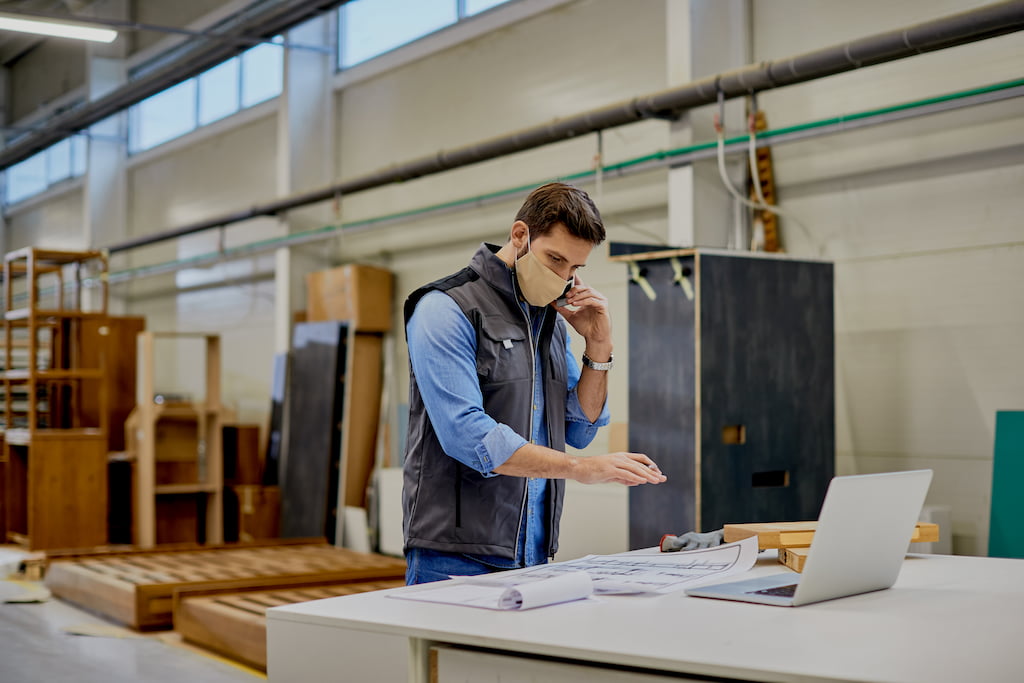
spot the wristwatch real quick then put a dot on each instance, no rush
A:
(598, 366)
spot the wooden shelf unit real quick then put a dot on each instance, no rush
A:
(178, 449)
(55, 399)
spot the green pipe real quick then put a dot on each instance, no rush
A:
(660, 155)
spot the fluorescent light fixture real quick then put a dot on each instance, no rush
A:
(60, 29)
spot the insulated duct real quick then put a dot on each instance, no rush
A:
(950, 31)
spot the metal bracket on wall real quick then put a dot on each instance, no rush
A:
(637, 276)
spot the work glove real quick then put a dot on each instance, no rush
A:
(690, 541)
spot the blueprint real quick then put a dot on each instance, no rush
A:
(639, 572)
(645, 571)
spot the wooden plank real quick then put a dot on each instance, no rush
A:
(364, 380)
(235, 625)
(139, 588)
(794, 558)
(800, 534)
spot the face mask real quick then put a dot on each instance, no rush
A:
(539, 284)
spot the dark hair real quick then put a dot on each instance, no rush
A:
(560, 203)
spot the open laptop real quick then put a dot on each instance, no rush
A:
(863, 532)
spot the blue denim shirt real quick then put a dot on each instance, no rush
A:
(442, 350)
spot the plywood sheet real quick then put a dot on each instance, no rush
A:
(310, 460)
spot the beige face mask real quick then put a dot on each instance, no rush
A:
(539, 284)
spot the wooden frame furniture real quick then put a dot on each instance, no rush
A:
(56, 397)
(235, 624)
(138, 588)
(178, 450)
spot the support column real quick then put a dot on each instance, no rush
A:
(705, 37)
(105, 187)
(4, 120)
(305, 160)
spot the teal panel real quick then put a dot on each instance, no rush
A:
(1006, 528)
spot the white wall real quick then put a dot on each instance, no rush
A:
(922, 221)
(208, 176)
(920, 218)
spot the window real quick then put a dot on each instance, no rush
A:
(63, 160)
(262, 73)
(58, 161)
(78, 155)
(26, 178)
(218, 92)
(164, 116)
(255, 76)
(477, 6)
(368, 28)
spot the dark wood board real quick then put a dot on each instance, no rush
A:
(310, 459)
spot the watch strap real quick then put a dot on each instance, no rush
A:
(593, 365)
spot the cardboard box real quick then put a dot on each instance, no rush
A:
(358, 294)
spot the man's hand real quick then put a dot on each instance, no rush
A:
(630, 469)
(590, 318)
(691, 540)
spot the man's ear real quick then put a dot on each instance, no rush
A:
(519, 235)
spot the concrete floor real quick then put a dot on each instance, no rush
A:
(37, 644)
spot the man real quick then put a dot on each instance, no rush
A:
(495, 394)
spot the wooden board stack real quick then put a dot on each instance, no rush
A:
(793, 539)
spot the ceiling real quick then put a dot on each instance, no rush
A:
(177, 40)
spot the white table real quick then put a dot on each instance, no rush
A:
(946, 619)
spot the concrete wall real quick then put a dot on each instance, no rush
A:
(919, 218)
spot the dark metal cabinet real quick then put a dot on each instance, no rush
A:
(731, 388)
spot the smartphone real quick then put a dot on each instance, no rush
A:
(561, 301)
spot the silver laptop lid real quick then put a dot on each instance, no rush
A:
(864, 528)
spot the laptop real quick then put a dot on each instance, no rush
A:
(863, 533)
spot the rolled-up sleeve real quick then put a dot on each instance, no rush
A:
(442, 351)
(579, 430)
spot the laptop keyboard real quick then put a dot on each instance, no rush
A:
(781, 591)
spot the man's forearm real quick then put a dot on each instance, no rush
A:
(531, 460)
(592, 389)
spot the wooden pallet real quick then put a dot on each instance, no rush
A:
(235, 624)
(138, 589)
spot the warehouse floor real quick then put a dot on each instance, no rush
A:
(52, 640)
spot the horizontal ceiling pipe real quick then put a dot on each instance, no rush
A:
(958, 29)
(191, 59)
(643, 164)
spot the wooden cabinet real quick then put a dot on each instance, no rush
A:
(731, 388)
(55, 399)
